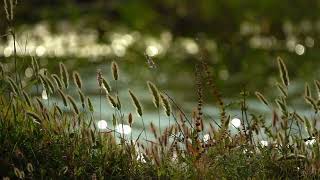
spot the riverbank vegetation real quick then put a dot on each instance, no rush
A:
(41, 137)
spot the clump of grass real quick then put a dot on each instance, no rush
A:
(47, 141)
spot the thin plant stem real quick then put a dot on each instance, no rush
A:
(144, 128)
(159, 120)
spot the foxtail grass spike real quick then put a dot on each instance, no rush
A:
(57, 80)
(64, 98)
(77, 79)
(40, 103)
(112, 101)
(58, 109)
(281, 105)
(317, 84)
(64, 75)
(50, 84)
(130, 119)
(46, 84)
(307, 91)
(136, 103)
(282, 90)
(115, 70)
(34, 116)
(27, 98)
(262, 98)
(153, 130)
(155, 93)
(81, 95)
(312, 102)
(165, 104)
(298, 117)
(118, 103)
(74, 105)
(13, 85)
(307, 125)
(90, 105)
(106, 86)
(283, 72)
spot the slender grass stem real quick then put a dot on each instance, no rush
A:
(144, 128)
(159, 120)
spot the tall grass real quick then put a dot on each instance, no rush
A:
(41, 141)
(53, 141)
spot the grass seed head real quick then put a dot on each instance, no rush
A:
(262, 98)
(130, 119)
(64, 75)
(112, 101)
(73, 104)
(115, 70)
(35, 117)
(64, 97)
(165, 104)
(136, 103)
(57, 80)
(77, 79)
(90, 105)
(283, 72)
(105, 85)
(307, 91)
(155, 93)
